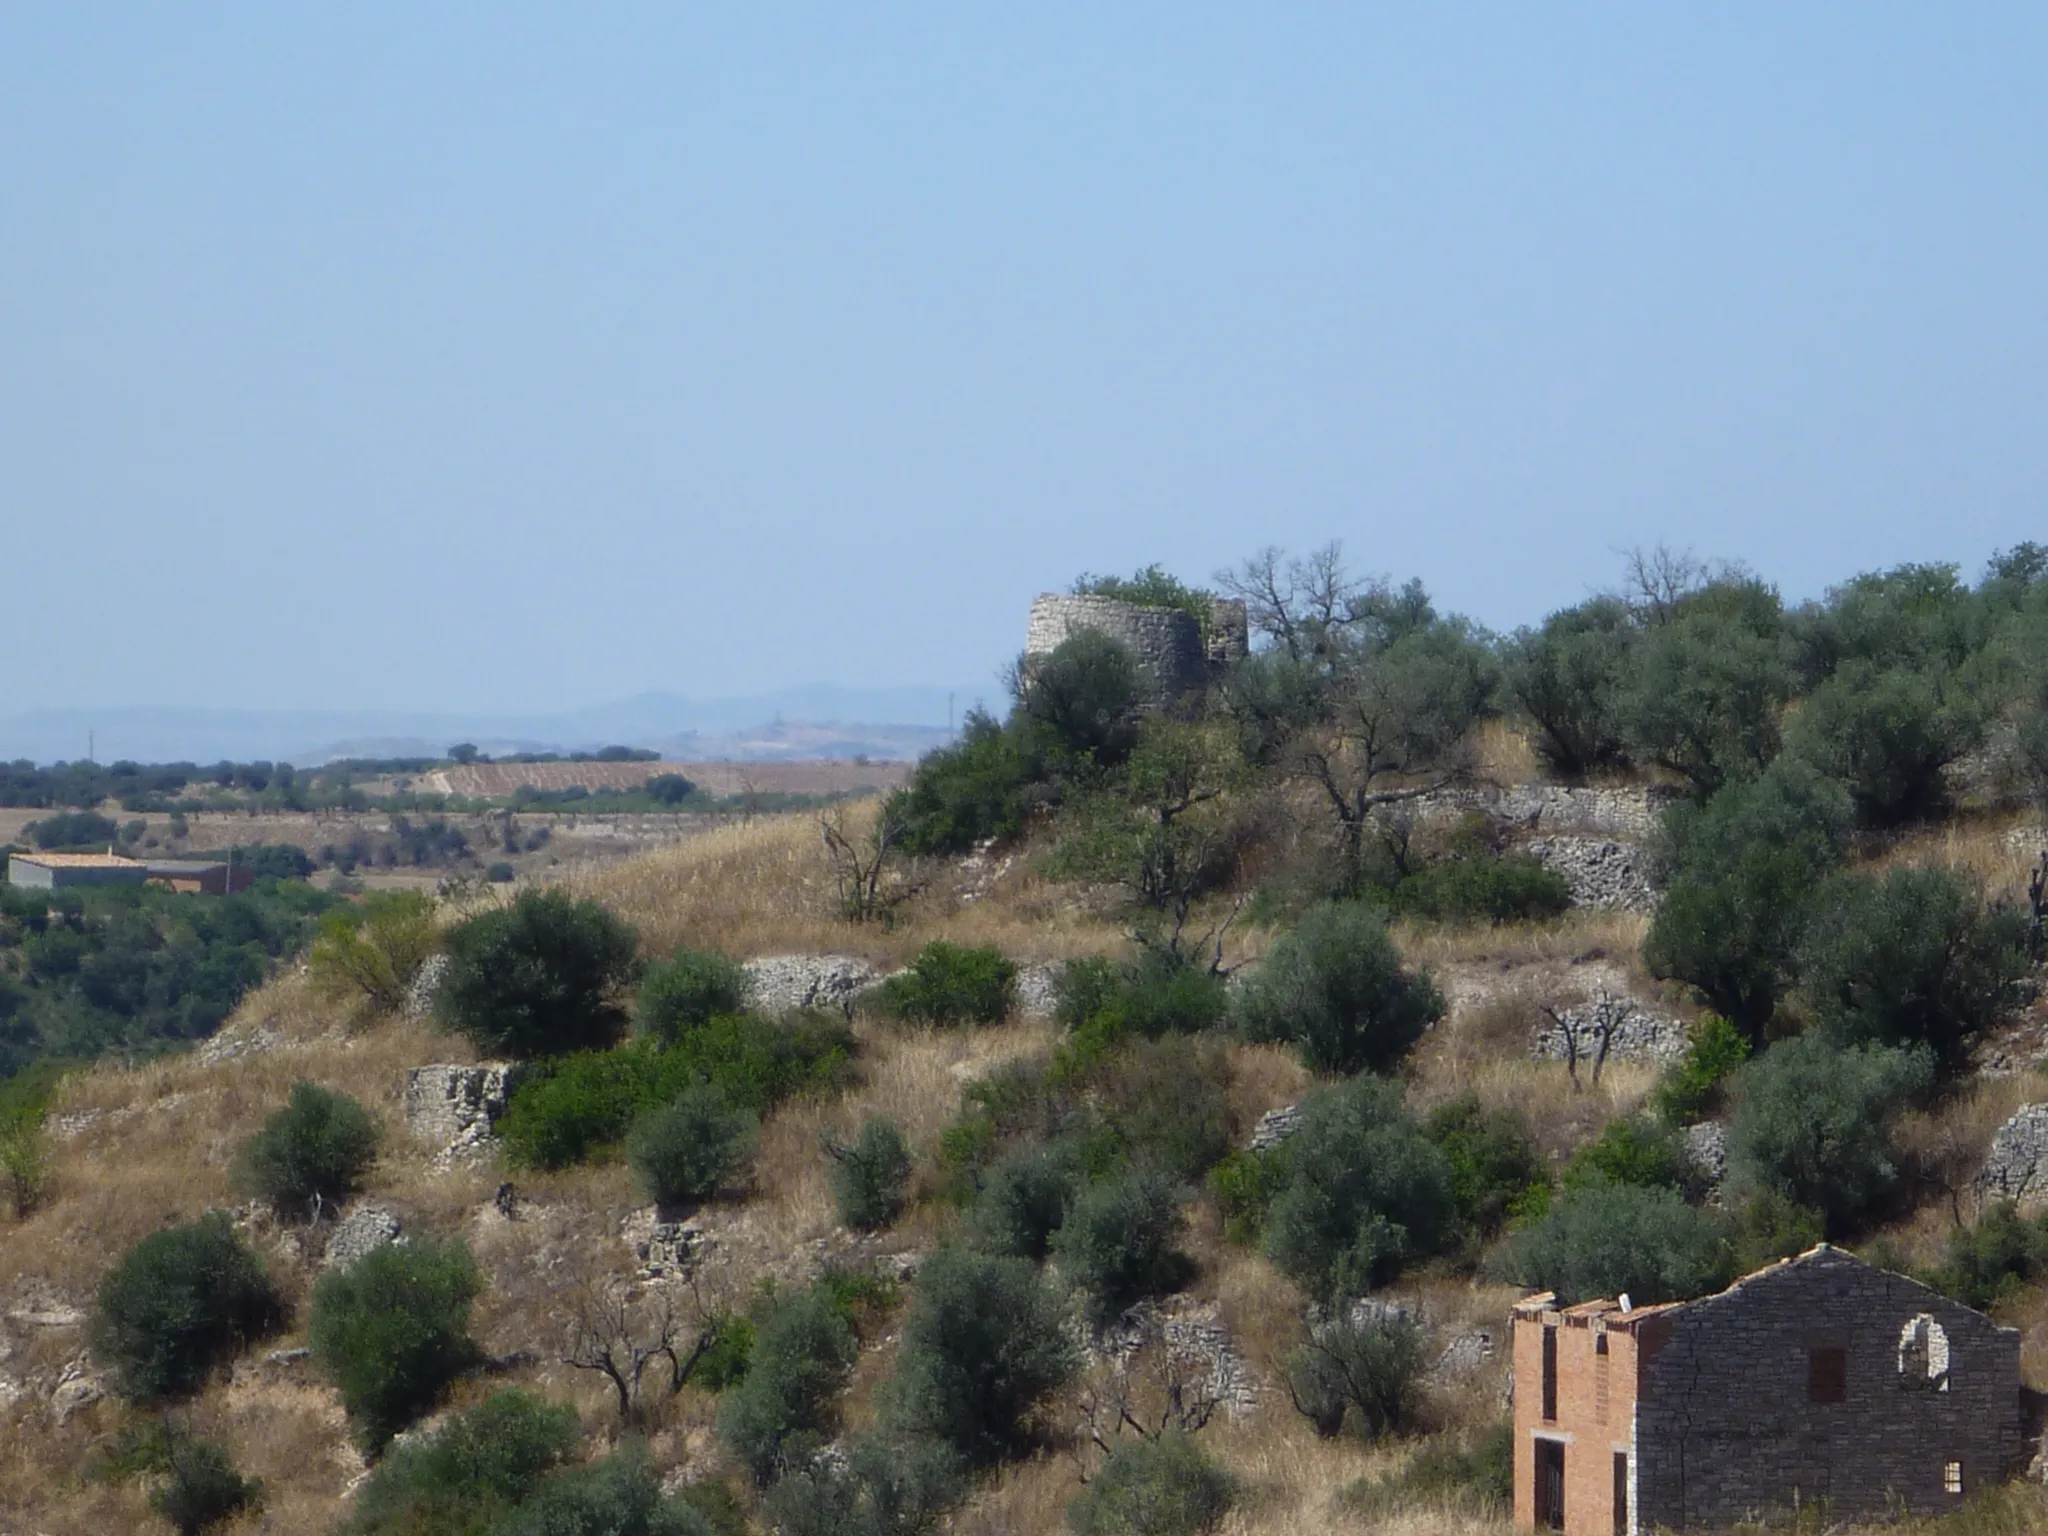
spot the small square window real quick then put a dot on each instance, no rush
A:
(1951, 1477)
(1827, 1375)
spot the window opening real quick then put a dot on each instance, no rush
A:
(1827, 1375)
(1951, 1477)
(1923, 1355)
(1549, 1371)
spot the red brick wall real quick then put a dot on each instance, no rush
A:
(1595, 1411)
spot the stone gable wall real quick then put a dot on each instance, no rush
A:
(1725, 1429)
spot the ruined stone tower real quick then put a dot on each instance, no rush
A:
(1173, 652)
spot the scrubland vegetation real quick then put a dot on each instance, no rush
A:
(949, 1242)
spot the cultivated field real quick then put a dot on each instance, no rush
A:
(499, 780)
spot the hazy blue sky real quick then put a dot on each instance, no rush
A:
(507, 356)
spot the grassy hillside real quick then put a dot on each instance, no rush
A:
(1523, 929)
(133, 1150)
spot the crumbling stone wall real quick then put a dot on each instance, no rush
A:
(1728, 1424)
(2016, 1168)
(1628, 813)
(456, 1107)
(1173, 655)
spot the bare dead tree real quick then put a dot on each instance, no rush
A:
(1591, 1032)
(858, 863)
(620, 1329)
(1300, 604)
(1150, 1387)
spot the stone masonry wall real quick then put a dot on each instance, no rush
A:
(1725, 1426)
(1166, 642)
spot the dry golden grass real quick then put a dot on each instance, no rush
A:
(766, 887)
(1502, 754)
(153, 1145)
(1998, 849)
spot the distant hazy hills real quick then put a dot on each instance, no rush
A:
(820, 721)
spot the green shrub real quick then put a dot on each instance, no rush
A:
(983, 1348)
(803, 1353)
(1708, 686)
(1478, 1479)
(1494, 1171)
(1744, 869)
(1334, 987)
(1509, 889)
(951, 984)
(1080, 702)
(1120, 1242)
(1244, 1185)
(1886, 735)
(540, 977)
(1364, 1192)
(1102, 1001)
(203, 1489)
(1365, 1369)
(1912, 958)
(1024, 1200)
(372, 951)
(575, 1107)
(501, 872)
(618, 1496)
(682, 1152)
(871, 1178)
(1815, 1124)
(24, 1166)
(885, 1486)
(572, 1108)
(1993, 1257)
(392, 1330)
(179, 1302)
(1768, 1227)
(1168, 1102)
(964, 794)
(725, 1363)
(1638, 1152)
(687, 991)
(1151, 586)
(1162, 1487)
(757, 1063)
(1603, 1239)
(1568, 677)
(311, 1153)
(73, 829)
(469, 1474)
(1692, 1088)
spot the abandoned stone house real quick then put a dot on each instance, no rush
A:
(1820, 1379)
